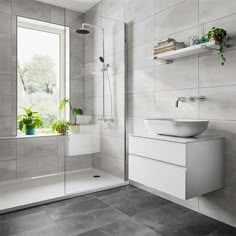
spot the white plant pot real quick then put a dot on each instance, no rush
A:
(84, 120)
(75, 129)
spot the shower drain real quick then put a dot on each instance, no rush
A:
(96, 176)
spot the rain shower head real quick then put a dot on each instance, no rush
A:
(82, 30)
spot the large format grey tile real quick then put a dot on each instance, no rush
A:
(6, 84)
(5, 43)
(161, 5)
(219, 103)
(32, 9)
(70, 210)
(5, 104)
(161, 216)
(8, 149)
(36, 147)
(121, 228)
(110, 6)
(5, 128)
(86, 222)
(7, 170)
(57, 15)
(5, 63)
(138, 10)
(5, 23)
(24, 223)
(73, 19)
(178, 75)
(77, 88)
(212, 9)
(183, 16)
(5, 6)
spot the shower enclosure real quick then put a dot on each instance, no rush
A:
(48, 167)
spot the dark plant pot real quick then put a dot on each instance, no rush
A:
(61, 131)
(30, 131)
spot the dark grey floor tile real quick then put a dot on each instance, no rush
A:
(149, 203)
(24, 223)
(48, 230)
(126, 198)
(224, 230)
(66, 211)
(86, 222)
(160, 216)
(122, 228)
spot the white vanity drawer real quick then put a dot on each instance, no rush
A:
(170, 152)
(165, 177)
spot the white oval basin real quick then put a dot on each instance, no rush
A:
(176, 127)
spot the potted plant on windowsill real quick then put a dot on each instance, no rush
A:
(29, 121)
(60, 126)
(75, 127)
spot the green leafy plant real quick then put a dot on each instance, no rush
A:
(60, 126)
(74, 111)
(29, 120)
(220, 36)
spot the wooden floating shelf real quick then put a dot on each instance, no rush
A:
(187, 52)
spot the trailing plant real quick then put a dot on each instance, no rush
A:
(74, 111)
(218, 35)
(29, 120)
(60, 126)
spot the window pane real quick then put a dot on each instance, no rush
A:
(39, 72)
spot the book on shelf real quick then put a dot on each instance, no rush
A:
(164, 41)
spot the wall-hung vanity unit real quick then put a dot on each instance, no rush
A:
(181, 167)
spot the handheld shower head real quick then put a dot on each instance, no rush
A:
(101, 59)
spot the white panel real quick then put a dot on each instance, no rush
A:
(158, 175)
(160, 150)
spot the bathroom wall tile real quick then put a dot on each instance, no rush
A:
(73, 19)
(136, 126)
(5, 104)
(112, 26)
(76, 44)
(94, 14)
(141, 104)
(36, 147)
(5, 43)
(117, 16)
(141, 81)
(13, 25)
(117, 82)
(219, 103)
(226, 129)
(5, 64)
(92, 70)
(138, 10)
(110, 6)
(36, 167)
(7, 170)
(5, 6)
(178, 75)
(76, 67)
(78, 162)
(77, 102)
(93, 88)
(161, 5)
(13, 45)
(183, 16)
(13, 126)
(77, 88)
(136, 35)
(116, 128)
(8, 149)
(93, 106)
(32, 9)
(61, 145)
(5, 128)
(57, 15)
(92, 51)
(5, 88)
(211, 73)
(212, 9)
(219, 204)
(165, 104)
(117, 63)
(5, 23)
(140, 57)
(230, 173)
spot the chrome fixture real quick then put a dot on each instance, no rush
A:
(189, 99)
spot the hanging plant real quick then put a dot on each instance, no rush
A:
(219, 35)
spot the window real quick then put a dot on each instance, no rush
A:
(41, 77)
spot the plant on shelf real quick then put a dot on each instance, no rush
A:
(29, 121)
(60, 126)
(219, 35)
(74, 111)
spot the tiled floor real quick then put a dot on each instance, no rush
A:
(124, 211)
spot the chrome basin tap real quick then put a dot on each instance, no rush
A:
(182, 99)
(189, 99)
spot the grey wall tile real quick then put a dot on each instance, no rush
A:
(94, 14)
(5, 88)
(161, 5)
(5, 64)
(93, 106)
(39, 166)
(8, 149)
(110, 6)
(136, 126)
(77, 88)
(230, 173)
(212, 9)
(93, 88)
(5, 23)
(36, 147)
(5, 104)
(141, 104)
(61, 145)
(211, 73)
(73, 19)
(219, 103)
(141, 81)
(76, 67)
(78, 162)
(178, 75)
(57, 15)
(5, 43)
(183, 16)
(138, 10)
(165, 104)
(5, 6)
(117, 128)
(7, 170)
(136, 35)
(5, 128)
(32, 9)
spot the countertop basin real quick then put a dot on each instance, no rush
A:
(176, 127)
